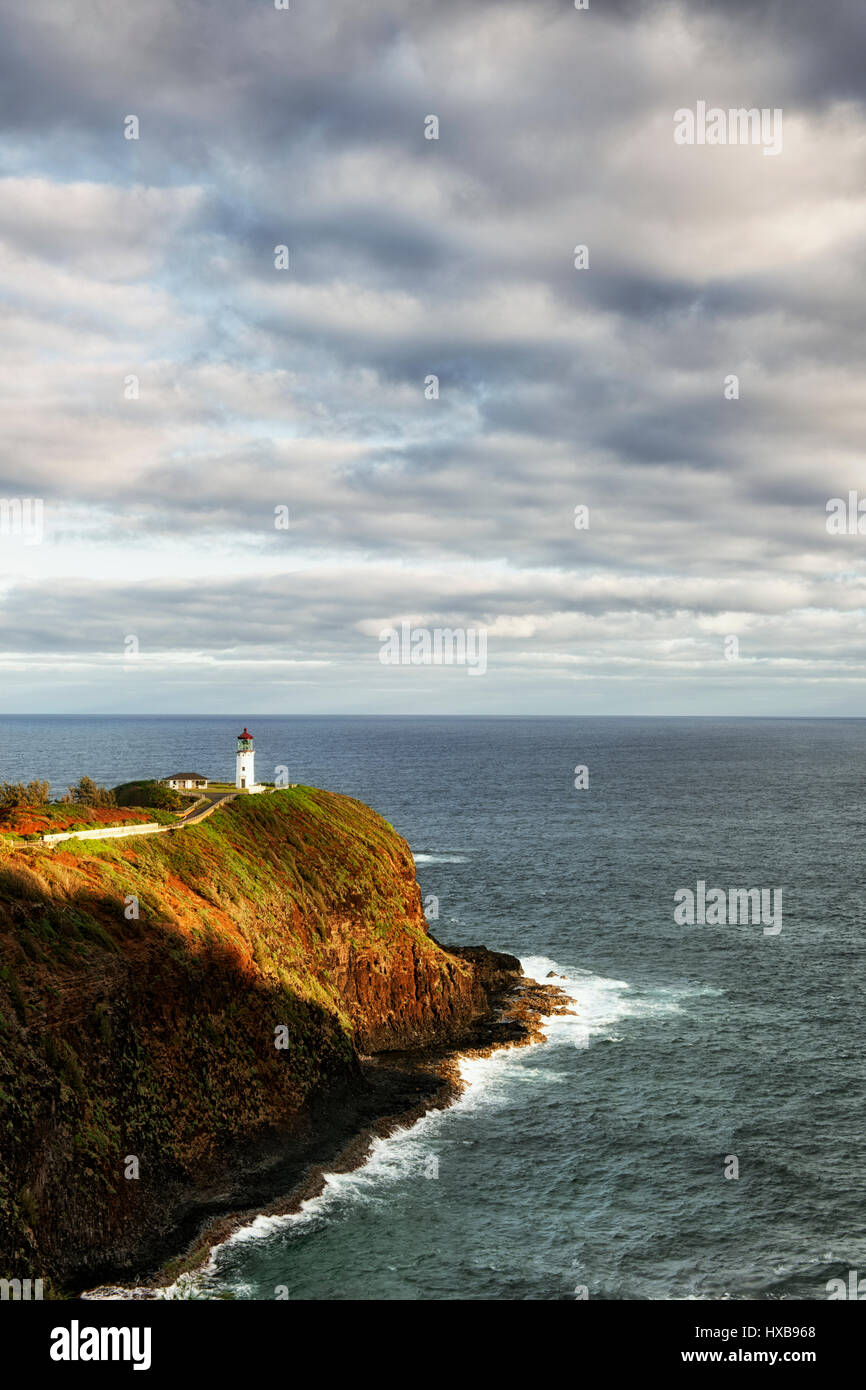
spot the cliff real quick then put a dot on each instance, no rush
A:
(172, 1006)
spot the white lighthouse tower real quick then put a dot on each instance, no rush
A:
(245, 777)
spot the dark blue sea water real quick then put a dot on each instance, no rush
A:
(596, 1160)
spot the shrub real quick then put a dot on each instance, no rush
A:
(103, 1024)
(14, 795)
(148, 793)
(87, 793)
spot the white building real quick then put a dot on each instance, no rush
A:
(245, 774)
(186, 781)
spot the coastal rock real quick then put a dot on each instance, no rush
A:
(184, 1022)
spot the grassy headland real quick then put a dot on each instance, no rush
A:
(169, 1003)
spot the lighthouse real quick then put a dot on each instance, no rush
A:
(245, 775)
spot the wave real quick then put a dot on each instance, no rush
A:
(440, 858)
(603, 1001)
(599, 1003)
(401, 1155)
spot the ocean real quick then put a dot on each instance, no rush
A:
(695, 1130)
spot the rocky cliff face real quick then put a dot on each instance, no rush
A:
(170, 1005)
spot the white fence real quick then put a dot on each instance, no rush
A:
(104, 832)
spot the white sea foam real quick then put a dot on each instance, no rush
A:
(440, 858)
(599, 1002)
(602, 1002)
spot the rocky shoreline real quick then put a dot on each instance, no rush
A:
(336, 1132)
(273, 1001)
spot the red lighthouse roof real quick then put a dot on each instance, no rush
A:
(246, 733)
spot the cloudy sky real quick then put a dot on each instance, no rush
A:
(262, 388)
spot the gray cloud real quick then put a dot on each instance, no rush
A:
(557, 386)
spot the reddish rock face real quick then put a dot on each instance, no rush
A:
(142, 989)
(407, 998)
